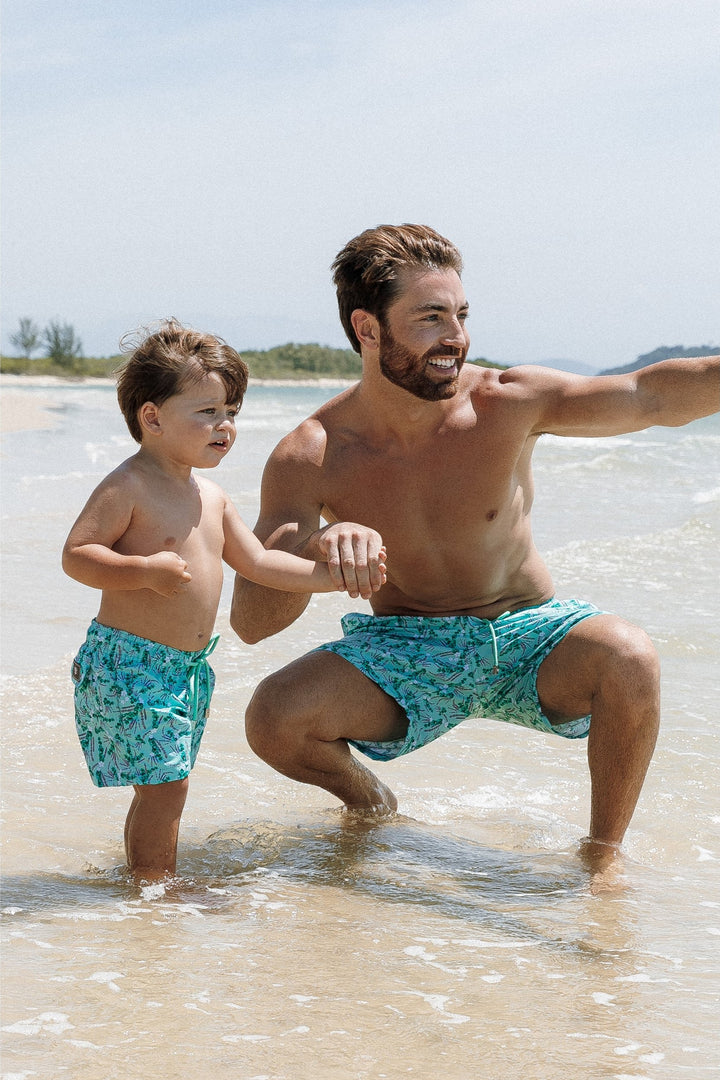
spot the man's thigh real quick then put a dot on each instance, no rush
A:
(331, 699)
(599, 648)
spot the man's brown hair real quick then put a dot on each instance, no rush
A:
(162, 362)
(366, 271)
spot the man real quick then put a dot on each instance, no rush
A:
(466, 624)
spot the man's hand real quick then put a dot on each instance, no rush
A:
(354, 554)
(168, 573)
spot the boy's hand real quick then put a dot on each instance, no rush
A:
(168, 573)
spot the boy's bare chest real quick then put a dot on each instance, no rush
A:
(171, 521)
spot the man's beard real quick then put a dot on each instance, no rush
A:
(407, 369)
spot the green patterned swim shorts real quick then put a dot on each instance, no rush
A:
(140, 707)
(444, 670)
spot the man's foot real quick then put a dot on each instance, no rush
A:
(381, 801)
(606, 865)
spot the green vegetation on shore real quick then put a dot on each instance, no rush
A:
(64, 358)
(289, 361)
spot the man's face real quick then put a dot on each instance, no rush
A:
(423, 339)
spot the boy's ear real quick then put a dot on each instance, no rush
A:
(149, 418)
(366, 327)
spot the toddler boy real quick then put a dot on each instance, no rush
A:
(153, 537)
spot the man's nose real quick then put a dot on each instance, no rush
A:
(455, 334)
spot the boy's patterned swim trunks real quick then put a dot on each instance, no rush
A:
(140, 707)
(444, 670)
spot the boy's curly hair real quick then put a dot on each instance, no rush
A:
(162, 361)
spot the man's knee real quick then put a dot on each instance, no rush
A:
(631, 661)
(633, 647)
(266, 718)
(603, 659)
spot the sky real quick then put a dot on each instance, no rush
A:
(208, 161)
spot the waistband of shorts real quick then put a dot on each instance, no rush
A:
(553, 604)
(502, 624)
(108, 634)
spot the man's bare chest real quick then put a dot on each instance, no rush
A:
(451, 482)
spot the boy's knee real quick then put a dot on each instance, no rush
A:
(171, 793)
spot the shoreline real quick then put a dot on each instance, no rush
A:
(22, 408)
(19, 381)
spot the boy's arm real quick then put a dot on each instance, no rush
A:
(88, 554)
(278, 569)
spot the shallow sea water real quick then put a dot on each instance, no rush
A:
(458, 938)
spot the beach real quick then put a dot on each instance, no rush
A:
(457, 938)
(21, 410)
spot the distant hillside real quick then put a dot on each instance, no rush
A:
(575, 367)
(293, 361)
(663, 353)
(309, 362)
(283, 362)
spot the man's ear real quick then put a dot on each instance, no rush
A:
(366, 327)
(149, 418)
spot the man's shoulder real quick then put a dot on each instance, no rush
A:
(522, 381)
(310, 437)
(305, 444)
(493, 385)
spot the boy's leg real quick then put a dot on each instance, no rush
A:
(151, 829)
(128, 819)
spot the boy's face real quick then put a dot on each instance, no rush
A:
(197, 424)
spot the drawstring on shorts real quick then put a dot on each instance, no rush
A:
(493, 635)
(496, 658)
(197, 666)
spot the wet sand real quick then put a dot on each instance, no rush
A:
(23, 405)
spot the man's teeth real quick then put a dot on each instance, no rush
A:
(442, 362)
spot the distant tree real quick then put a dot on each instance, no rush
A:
(61, 343)
(27, 338)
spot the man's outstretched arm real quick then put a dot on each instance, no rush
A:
(680, 390)
(668, 394)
